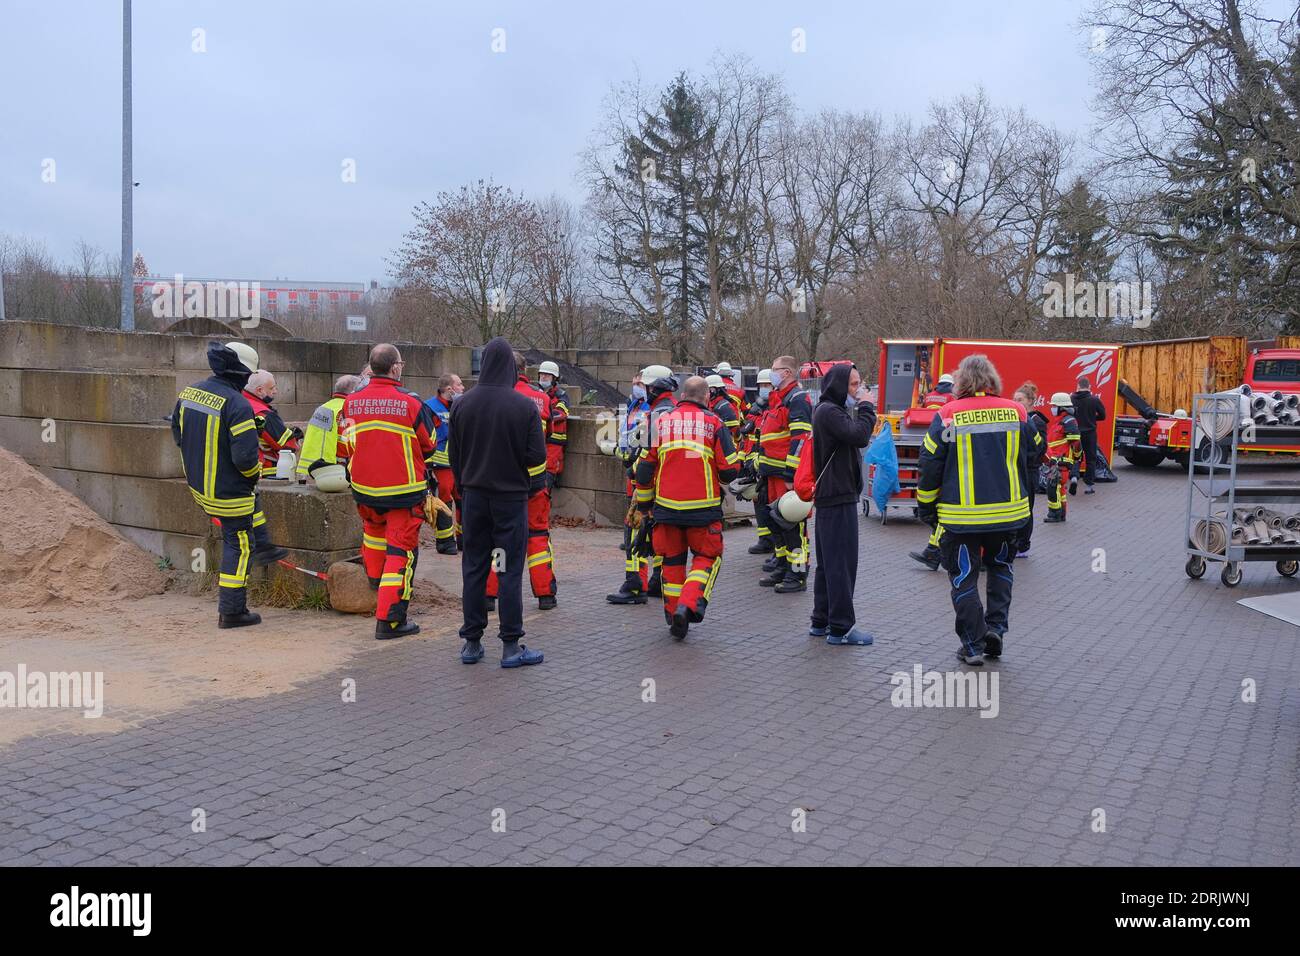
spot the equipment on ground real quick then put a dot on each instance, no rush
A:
(331, 478)
(1233, 517)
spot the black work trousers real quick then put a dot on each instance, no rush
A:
(495, 531)
(835, 541)
(963, 557)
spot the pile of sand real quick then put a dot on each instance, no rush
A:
(54, 548)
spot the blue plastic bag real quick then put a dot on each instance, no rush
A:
(882, 453)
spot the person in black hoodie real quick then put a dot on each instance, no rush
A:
(1088, 411)
(842, 426)
(214, 427)
(497, 453)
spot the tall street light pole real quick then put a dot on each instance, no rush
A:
(128, 282)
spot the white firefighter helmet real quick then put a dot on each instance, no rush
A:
(659, 377)
(793, 508)
(722, 368)
(607, 447)
(247, 354)
(1062, 400)
(945, 378)
(765, 376)
(715, 381)
(330, 478)
(549, 368)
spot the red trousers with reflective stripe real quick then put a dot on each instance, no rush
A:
(394, 565)
(446, 527)
(541, 569)
(680, 587)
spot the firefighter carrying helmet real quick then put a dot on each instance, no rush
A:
(549, 368)
(246, 353)
(790, 509)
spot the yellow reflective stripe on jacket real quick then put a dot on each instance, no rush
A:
(925, 497)
(929, 444)
(242, 427)
(210, 456)
(383, 427)
(388, 491)
(440, 459)
(536, 470)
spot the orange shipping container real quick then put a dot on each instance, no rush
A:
(1167, 373)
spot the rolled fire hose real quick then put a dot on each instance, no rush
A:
(1293, 401)
(1258, 403)
(1209, 536)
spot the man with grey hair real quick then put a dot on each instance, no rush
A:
(324, 441)
(273, 435)
(979, 494)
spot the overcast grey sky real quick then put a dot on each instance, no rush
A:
(239, 149)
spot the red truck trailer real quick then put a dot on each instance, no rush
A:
(909, 368)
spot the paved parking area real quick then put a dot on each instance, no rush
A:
(1119, 703)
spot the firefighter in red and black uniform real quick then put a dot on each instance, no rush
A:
(557, 425)
(935, 400)
(735, 391)
(941, 395)
(1064, 449)
(541, 561)
(973, 478)
(391, 434)
(274, 435)
(214, 427)
(679, 481)
(720, 404)
(784, 429)
(749, 432)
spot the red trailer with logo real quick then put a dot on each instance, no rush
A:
(910, 368)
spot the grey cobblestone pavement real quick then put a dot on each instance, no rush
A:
(1119, 691)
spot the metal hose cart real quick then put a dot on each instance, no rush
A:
(1231, 519)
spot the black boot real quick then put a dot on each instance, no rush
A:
(629, 593)
(654, 587)
(929, 557)
(546, 602)
(680, 624)
(387, 630)
(778, 574)
(269, 554)
(242, 619)
(1055, 517)
(447, 547)
(764, 546)
(771, 564)
(792, 583)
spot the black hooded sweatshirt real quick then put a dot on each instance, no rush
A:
(838, 437)
(495, 437)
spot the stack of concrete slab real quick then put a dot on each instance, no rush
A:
(88, 407)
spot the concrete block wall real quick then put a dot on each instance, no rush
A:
(87, 406)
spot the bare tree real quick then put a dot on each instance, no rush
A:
(472, 251)
(558, 272)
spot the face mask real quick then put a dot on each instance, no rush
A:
(850, 401)
(545, 381)
(777, 379)
(638, 392)
(764, 392)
